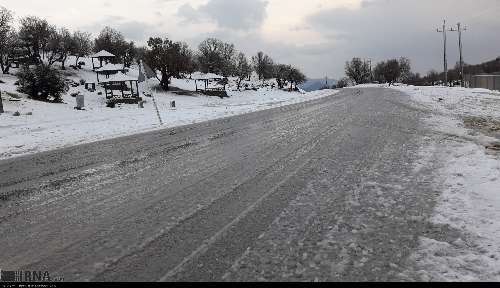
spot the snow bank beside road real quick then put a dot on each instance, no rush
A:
(469, 205)
(456, 101)
(468, 210)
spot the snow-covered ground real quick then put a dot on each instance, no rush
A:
(469, 182)
(49, 126)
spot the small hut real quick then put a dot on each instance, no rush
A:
(211, 84)
(102, 56)
(109, 69)
(121, 88)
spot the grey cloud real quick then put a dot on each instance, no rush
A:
(393, 28)
(132, 30)
(228, 14)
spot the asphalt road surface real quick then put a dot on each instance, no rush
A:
(328, 190)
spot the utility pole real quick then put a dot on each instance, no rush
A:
(460, 29)
(445, 56)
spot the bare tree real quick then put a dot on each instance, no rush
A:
(7, 38)
(405, 69)
(342, 83)
(82, 45)
(263, 65)
(432, 77)
(378, 72)
(358, 71)
(60, 46)
(392, 71)
(243, 68)
(53, 46)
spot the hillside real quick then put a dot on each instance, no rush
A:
(44, 126)
(489, 67)
(317, 84)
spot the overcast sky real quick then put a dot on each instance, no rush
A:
(315, 35)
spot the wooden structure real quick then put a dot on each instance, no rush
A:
(120, 88)
(18, 57)
(102, 56)
(90, 86)
(211, 85)
(109, 69)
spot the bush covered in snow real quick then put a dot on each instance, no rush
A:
(42, 83)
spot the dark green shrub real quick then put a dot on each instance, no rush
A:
(42, 83)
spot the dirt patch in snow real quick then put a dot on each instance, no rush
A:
(486, 125)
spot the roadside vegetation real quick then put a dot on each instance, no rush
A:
(31, 48)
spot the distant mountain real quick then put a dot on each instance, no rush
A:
(317, 84)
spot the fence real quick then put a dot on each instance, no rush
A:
(486, 81)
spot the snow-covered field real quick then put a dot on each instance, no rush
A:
(469, 182)
(49, 126)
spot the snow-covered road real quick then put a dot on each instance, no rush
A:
(323, 190)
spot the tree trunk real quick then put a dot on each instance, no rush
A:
(63, 62)
(7, 66)
(239, 83)
(1, 103)
(164, 81)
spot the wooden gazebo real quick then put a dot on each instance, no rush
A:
(108, 70)
(211, 85)
(121, 88)
(102, 56)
